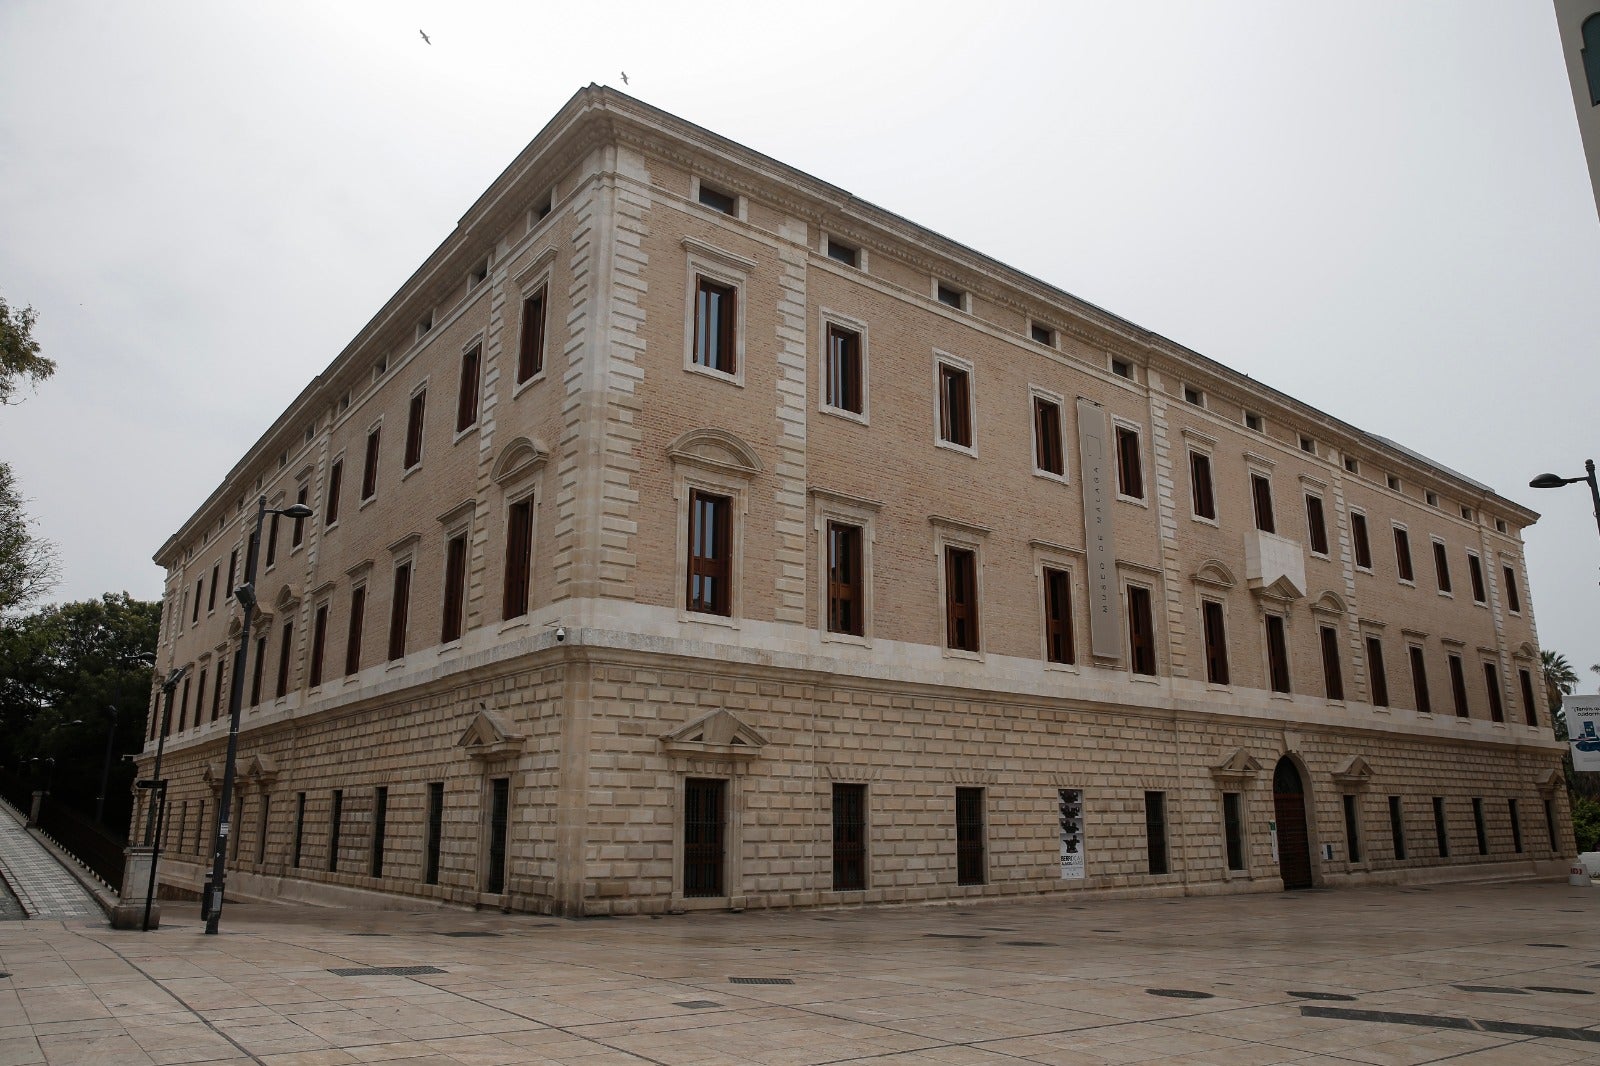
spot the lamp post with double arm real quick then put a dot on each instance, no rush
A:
(246, 595)
(1556, 481)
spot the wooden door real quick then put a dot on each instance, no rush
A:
(1289, 808)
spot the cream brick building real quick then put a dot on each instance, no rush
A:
(690, 533)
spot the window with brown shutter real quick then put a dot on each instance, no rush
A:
(846, 602)
(1475, 574)
(1402, 555)
(1216, 642)
(211, 600)
(299, 536)
(1058, 641)
(1141, 632)
(1130, 472)
(1047, 451)
(844, 384)
(710, 577)
(199, 591)
(233, 570)
(369, 471)
(1379, 675)
(1277, 654)
(1316, 527)
(1261, 494)
(335, 483)
(1458, 686)
(352, 645)
(1513, 600)
(1358, 534)
(1441, 566)
(961, 598)
(519, 559)
(530, 356)
(467, 393)
(399, 611)
(955, 406)
(419, 406)
(715, 326)
(1491, 683)
(1205, 503)
(1529, 713)
(455, 587)
(216, 694)
(259, 672)
(1332, 675)
(1419, 680)
(284, 649)
(319, 634)
(272, 541)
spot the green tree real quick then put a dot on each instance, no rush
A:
(1559, 680)
(19, 352)
(28, 565)
(1586, 822)
(62, 669)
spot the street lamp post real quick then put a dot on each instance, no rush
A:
(246, 594)
(156, 805)
(105, 767)
(1555, 481)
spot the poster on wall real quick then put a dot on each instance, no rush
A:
(1071, 817)
(1583, 730)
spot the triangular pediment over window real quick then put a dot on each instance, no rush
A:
(1239, 768)
(261, 769)
(490, 736)
(212, 775)
(1283, 590)
(720, 733)
(1547, 780)
(1354, 771)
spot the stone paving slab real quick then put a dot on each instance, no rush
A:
(1385, 977)
(36, 879)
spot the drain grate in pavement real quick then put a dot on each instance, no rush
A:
(1331, 997)
(1105, 930)
(1560, 991)
(1026, 944)
(761, 980)
(3, 976)
(698, 1004)
(469, 933)
(1547, 945)
(369, 934)
(385, 971)
(1499, 990)
(952, 936)
(1179, 993)
(1439, 1021)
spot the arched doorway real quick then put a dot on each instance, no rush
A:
(1289, 808)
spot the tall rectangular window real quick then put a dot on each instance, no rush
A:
(335, 483)
(1550, 822)
(1478, 826)
(704, 831)
(844, 371)
(263, 821)
(846, 584)
(299, 829)
(710, 577)
(211, 600)
(1048, 455)
(1316, 526)
(1441, 565)
(319, 635)
(272, 541)
(183, 707)
(849, 837)
(1332, 675)
(285, 647)
(530, 354)
(430, 872)
(1200, 490)
(299, 536)
(233, 569)
(399, 611)
(1155, 831)
(1378, 673)
(414, 420)
(369, 471)
(715, 326)
(1516, 826)
(1402, 555)
(1141, 632)
(1529, 714)
(1513, 600)
(467, 391)
(1397, 828)
(1458, 685)
(499, 833)
(216, 693)
(380, 827)
(199, 697)
(1419, 680)
(1233, 830)
(259, 672)
(519, 559)
(1441, 831)
(1277, 654)
(1358, 535)
(961, 598)
(1475, 576)
(1130, 469)
(455, 588)
(971, 868)
(1058, 642)
(199, 591)
(1352, 827)
(955, 405)
(352, 646)
(1216, 635)
(1261, 497)
(1491, 683)
(335, 825)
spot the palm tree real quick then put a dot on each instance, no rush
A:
(1559, 680)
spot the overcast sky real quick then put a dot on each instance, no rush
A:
(1379, 208)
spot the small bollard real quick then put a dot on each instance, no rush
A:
(1578, 876)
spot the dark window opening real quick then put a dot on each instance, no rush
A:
(1141, 632)
(414, 420)
(1358, 534)
(1277, 654)
(530, 354)
(1513, 599)
(260, 670)
(1155, 830)
(1475, 575)
(519, 559)
(710, 578)
(1042, 334)
(1261, 496)
(1216, 642)
(1458, 686)
(285, 647)
(1048, 454)
(319, 634)
(970, 864)
(951, 297)
(1402, 555)
(1397, 828)
(844, 253)
(718, 201)
(844, 382)
(1441, 566)
(1419, 680)
(715, 326)
(399, 611)
(1529, 714)
(380, 827)
(1200, 491)
(1130, 471)
(1491, 683)
(467, 392)
(1441, 833)
(352, 646)
(1352, 827)
(1377, 672)
(455, 588)
(299, 828)
(369, 471)
(1332, 675)
(1478, 827)
(961, 598)
(704, 830)
(1058, 616)
(955, 406)
(1233, 830)
(1516, 826)
(430, 874)
(846, 582)
(849, 838)
(499, 829)
(1316, 526)
(335, 824)
(335, 482)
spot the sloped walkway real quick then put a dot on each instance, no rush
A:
(43, 888)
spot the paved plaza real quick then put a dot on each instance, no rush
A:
(1500, 973)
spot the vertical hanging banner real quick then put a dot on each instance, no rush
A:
(1105, 608)
(1071, 814)
(1583, 730)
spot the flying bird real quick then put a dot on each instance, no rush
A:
(624, 77)
(425, 38)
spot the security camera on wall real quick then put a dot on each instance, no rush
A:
(561, 634)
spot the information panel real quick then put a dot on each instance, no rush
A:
(1071, 812)
(1583, 730)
